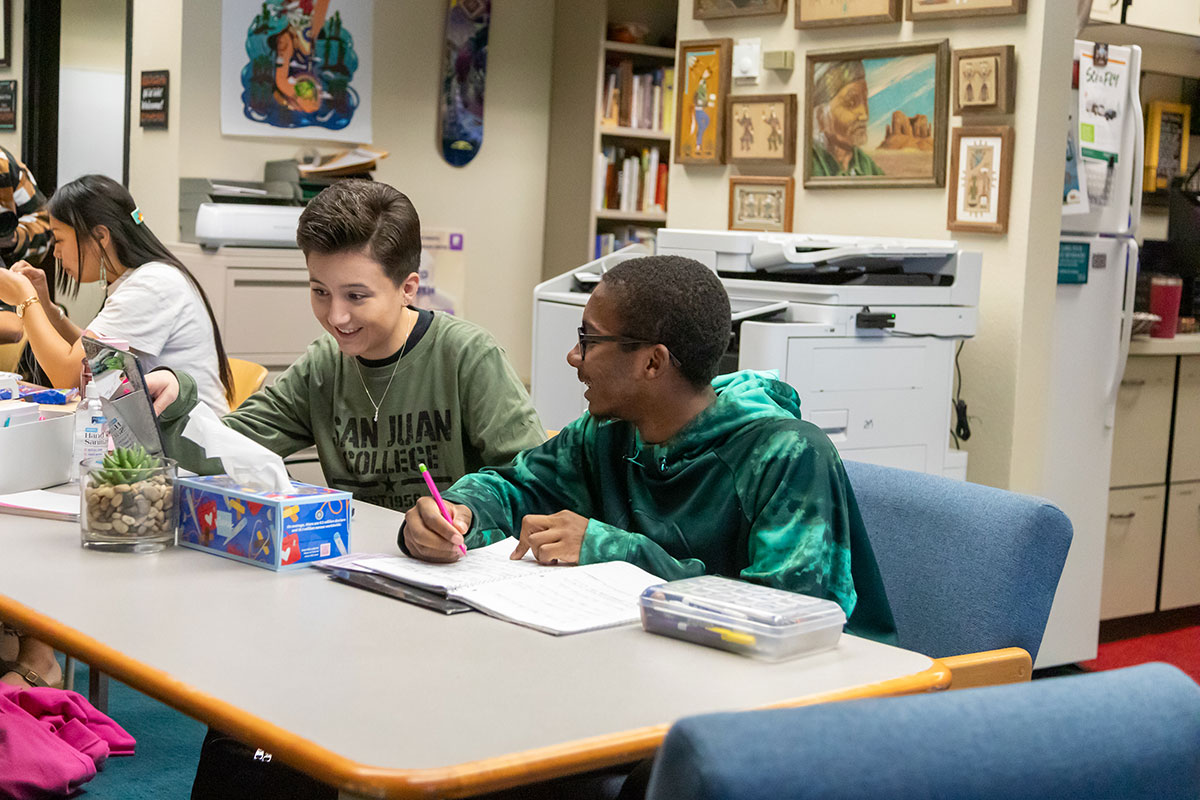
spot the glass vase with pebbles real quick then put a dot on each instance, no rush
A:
(127, 502)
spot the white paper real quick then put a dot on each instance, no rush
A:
(551, 599)
(563, 600)
(42, 503)
(479, 566)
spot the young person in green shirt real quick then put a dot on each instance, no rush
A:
(390, 386)
(671, 469)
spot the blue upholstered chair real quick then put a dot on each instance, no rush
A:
(1129, 734)
(967, 568)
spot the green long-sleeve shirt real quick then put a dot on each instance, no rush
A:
(455, 404)
(746, 490)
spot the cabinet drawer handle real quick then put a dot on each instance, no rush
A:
(1134, 382)
(1130, 515)
(240, 282)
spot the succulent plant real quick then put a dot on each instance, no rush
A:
(125, 465)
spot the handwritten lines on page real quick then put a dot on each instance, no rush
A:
(562, 600)
(481, 565)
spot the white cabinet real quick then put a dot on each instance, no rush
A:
(1106, 11)
(1174, 16)
(1131, 550)
(1143, 422)
(1185, 452)
(1181, 550)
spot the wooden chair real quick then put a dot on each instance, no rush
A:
(248, 378)
(10, 355)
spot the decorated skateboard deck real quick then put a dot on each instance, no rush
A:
(464, 71)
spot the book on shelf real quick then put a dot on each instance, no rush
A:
(668, 100)
(631, 180)
(555, 600)
(640, 99)
(612, 241)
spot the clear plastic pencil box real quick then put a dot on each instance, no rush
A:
(769, 624)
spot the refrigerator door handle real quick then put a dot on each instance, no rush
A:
(1139, 155)
(1131, 271)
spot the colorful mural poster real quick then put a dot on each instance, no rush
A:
(296, 68)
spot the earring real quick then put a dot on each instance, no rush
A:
(104, 267)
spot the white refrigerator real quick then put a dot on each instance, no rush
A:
(1098, 258)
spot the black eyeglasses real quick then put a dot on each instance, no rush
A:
(593, 338)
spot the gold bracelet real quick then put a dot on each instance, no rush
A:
(24, 303)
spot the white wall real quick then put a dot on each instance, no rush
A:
(498, 199)
(1005, 368)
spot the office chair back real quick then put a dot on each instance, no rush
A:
(1131, 733)
(967, 568)
(248, 378)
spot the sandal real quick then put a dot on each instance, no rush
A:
(30, 676)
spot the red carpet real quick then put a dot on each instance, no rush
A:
(1179, 647)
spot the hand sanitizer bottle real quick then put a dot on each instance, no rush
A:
(91, 430)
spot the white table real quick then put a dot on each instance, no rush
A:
(384, 698)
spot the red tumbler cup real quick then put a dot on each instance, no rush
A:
(1165, 295)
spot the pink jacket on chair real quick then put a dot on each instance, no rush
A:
(52, 741)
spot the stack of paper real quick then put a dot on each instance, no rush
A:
(41, 503)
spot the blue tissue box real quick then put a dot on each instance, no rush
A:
(268, 529)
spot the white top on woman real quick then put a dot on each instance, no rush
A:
(157, 310)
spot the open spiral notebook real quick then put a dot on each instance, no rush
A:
(551, 599)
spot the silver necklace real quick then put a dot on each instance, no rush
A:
(363, 380)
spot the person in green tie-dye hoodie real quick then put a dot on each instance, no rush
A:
(673, 468)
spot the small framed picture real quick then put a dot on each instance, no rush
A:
(719, 9)
(760, 129)
(700, 107)
(981, 179)
(940, 9)
(985, 80)
(877, 116)
(761, 204)
(823, 13)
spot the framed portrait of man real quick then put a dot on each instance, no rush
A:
(877, 117)
(701, 85)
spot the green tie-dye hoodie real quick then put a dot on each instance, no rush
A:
(746, 489)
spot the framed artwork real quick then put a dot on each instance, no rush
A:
(981, 170)
(985, 80)
(719, 9)
(761, 204)
(700, 106)
(940, 9)
(760, 129)
(876, 116)
(824, 13)
(6, 32)
(1167, 126)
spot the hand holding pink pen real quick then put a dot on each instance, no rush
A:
(437, 497)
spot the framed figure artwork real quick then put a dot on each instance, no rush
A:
(876, 116)
(941, 9)
(985, 80)
(700, 104)
(761, 204)
(720, 9)
(981, 179)
(760, 129)
(826, 13)
(6, 33)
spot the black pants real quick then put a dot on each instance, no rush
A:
(230, 770)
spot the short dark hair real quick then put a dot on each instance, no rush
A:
(677, 302)
(356, 214)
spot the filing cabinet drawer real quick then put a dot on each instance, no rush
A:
(1181, 553)
(267, 311)
(1131, 551)
(1142, 430)
(1185, 454)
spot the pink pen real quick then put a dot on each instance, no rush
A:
(437, 498)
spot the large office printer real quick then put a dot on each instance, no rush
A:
(864, 328)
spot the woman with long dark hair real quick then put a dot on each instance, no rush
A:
(153, 302)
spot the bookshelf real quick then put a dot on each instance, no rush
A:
(593, 148)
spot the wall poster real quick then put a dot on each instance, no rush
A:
(297, 68)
